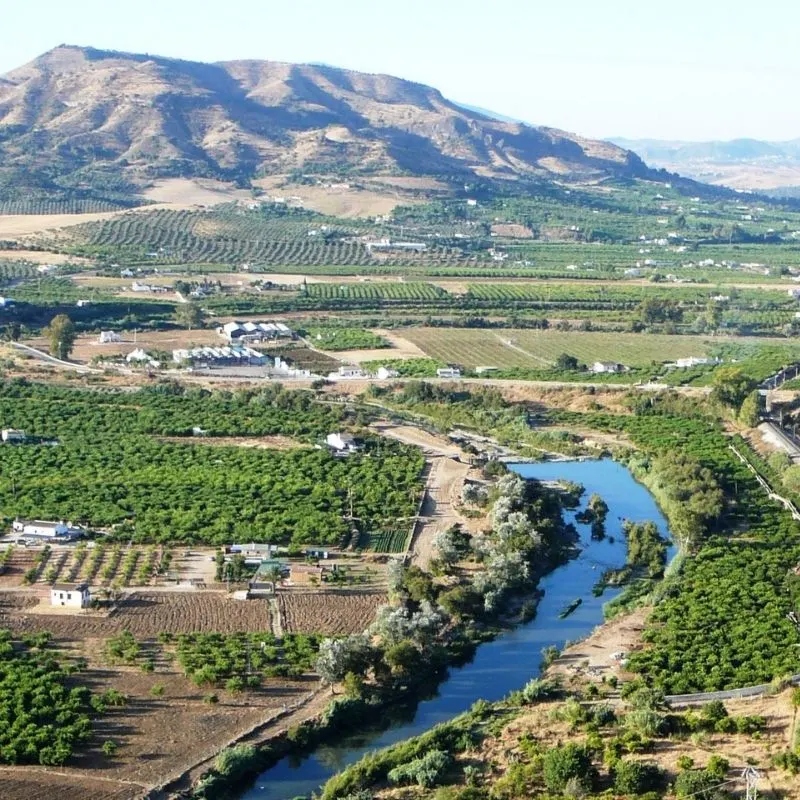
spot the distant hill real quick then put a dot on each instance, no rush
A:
(740, 163)
(76, 113)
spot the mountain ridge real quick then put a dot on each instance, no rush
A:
(76, 108)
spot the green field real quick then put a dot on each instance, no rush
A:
(538, 349)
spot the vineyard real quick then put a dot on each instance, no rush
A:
(537, 349)
(375, 291)
(385, 541)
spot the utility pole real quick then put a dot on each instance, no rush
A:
(751, 777)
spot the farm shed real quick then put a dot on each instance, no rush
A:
(70, 595)
(41, 529)
(342, 443)
(13, 435)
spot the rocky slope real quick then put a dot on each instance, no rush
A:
(78, 108)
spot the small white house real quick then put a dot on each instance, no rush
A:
(795, 293)
(109, 337)
(606, 366)
(13, 435)
(70, 595)
(448, 372)
(139, 356)
(347, 372)
(342, 442)
(42, 529)
(6, 301)
(694, 361)
(385, 373)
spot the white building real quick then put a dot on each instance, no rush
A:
(234, 356)
(70, 595)
(13, 435)
(347, 372)
(6, 301)
(606, 366)
(342, 442)
(42, 529)
(795, 293)
(241, 332)
(694, 361)
(385, 373)
(448, 372)
(109, 337)
(139, 356)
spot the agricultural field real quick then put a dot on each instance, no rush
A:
(332, 613)
(271, 235)
(158, 491)
(144, 614)
(326, 338)
(356, 292)
(534, 349)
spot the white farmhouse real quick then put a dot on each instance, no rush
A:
(13, 435)
(385, 373)
(694, 361)
(606, 366)
(342, 443)
(42, 529)
(109, 337)
(448, 372)
(347, 372)
(70, 595)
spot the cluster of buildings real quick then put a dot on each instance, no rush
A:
(244, 332)
(207, 356)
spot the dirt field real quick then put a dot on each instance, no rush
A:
(13, 226)
(145, 615)
(337, 200)
(400, 348)
(40, 256)
(87, 347)
(180, 193)
(330, 613)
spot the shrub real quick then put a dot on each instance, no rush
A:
(635, 777)
(109, 747)
(424, 771)
(565, 762)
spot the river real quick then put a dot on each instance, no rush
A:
(512, 659)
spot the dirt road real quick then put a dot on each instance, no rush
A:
(443, 490)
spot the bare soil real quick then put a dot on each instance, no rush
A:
(276, 442)
(331, 613)
(145, 615)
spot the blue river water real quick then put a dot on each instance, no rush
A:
(513, 658)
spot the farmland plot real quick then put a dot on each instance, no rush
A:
(536, 349)
(328, 613)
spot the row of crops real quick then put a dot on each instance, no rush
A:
(375, 291)
(238, 236)
(102, 564)
(73, 205)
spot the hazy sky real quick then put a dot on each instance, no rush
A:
(688, 69)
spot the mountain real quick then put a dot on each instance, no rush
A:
(75, 112)
(740, 163)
